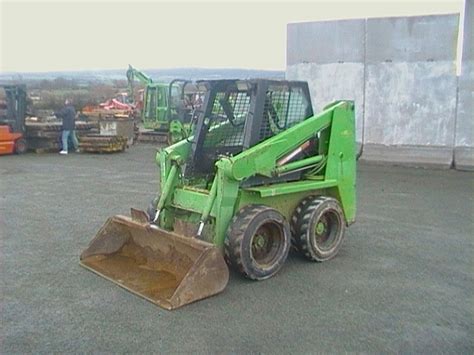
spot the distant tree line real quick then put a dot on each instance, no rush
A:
(52, 93)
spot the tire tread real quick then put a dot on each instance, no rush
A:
(235, 236)
(301, 222)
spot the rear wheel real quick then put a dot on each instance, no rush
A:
(20, 146)
(319, 228)
(257, 242)
(296, 217)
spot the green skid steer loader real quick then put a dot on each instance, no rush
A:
(260, 173)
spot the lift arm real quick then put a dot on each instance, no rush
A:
(262, 158)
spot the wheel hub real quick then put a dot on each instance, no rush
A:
(259, 241)
(265, 243)
(320, 228)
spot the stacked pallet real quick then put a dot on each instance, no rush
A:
(102, 144)
(115, 127)
(113, 122)
(152, 137)
(95, 114)
(46, 136)
(111, 109)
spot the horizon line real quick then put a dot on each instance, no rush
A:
(145, 69)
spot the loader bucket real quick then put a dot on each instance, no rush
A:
(163, 267)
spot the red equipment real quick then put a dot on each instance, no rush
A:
(11, 142)
(12, 120)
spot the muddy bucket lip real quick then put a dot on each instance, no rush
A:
(209, 257)
(160, 302)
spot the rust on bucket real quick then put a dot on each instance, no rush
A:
(163, 267)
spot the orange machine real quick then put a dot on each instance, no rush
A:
(12, 120)
(11, 142)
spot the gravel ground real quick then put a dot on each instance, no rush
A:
(403, 281)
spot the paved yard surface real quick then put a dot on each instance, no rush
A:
(403, 281)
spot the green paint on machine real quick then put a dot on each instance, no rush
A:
(260, 171)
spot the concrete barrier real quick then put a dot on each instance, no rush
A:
(464, 142)
(411, 88)
(401, 72)
(329, 55)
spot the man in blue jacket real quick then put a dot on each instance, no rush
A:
(68, 115)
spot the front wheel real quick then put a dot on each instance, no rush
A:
(257, 242)
(319, 226)
(21, 146)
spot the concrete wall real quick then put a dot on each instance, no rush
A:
(312, 49)
(464, 143)
(400, 72)
(410, 97)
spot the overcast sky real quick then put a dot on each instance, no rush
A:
(75, 35)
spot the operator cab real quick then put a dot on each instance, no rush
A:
(238, 114)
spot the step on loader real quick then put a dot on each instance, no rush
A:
(261, 173)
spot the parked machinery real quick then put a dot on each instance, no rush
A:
(167, 108)
(12, 119)
(260, 173)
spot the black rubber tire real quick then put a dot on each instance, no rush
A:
(296, 217)
(21, 146)
(308, 215)
(151, 209)
(241, 249)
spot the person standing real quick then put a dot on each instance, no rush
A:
(68, 116)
